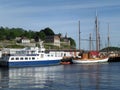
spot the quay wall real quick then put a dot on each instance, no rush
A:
(114, 59)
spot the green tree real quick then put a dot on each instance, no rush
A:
(2, 33)
(42, 35)
(31, 34)
(72, 43)
(48, 31)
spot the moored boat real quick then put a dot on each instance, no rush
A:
(65, 63)
(97, 60)
(91, 57)
(32, 56)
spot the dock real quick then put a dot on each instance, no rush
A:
(114, 59)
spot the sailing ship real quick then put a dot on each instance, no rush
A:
(91, 56)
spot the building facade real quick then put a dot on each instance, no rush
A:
(53, 40)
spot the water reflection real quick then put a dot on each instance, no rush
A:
(4, 79)
(62, 77)
(97, 76)
(32, 77)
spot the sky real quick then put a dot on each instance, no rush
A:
(62, 16)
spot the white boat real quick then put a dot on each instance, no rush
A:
(32, 56)
(91, 57)
(97, 60)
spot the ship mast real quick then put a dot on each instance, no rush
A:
(108, 36)
(97, 33)
(108, 39)
(79, 33)
(90, 42)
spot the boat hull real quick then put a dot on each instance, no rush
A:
(30, 63)
(90, 61)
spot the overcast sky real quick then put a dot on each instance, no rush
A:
(62, 16)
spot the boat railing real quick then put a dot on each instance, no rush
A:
(24, 54)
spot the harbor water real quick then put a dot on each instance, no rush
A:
(97, 76)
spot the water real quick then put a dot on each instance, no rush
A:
(101, 76)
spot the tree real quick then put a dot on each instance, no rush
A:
(110, 49)
(10, 36)
(31, 34)
(42, 35)
(72, 43)
(48, 32)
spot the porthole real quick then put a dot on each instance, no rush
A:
(17, 58)
(26, 58)
(21, 58)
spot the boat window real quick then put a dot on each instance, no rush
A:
(64, 54)
(21, 58)
(42, 55)
(12, 58)
(27, 52)
(33, 52)
(33, 58)
(26, 58)
(48, 55)
(55, 54)
(17, 58)
(29, 58)
(61, 54)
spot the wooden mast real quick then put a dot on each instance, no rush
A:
(90, 42)
(97, 33)
(108, 39)
(108, 36)
(79, 33)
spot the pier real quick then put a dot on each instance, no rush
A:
(114, 59)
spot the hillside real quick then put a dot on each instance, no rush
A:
(10, 34)
(111, 49)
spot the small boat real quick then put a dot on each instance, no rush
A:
(65, 63)
(66, 60)
(91, 57)
(31, 56)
